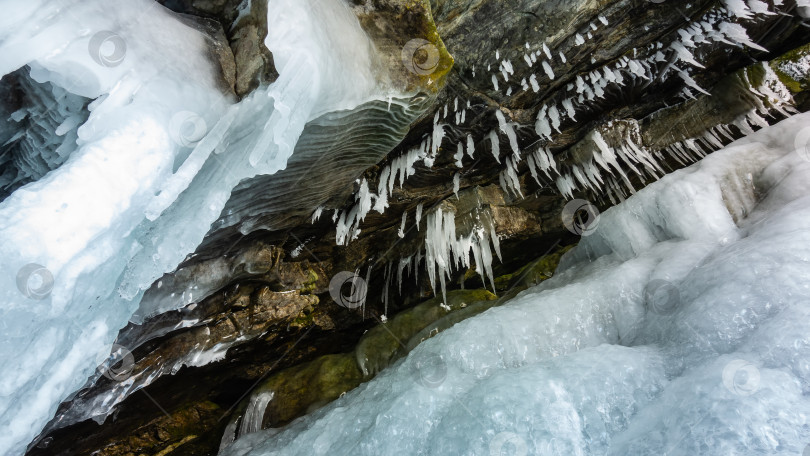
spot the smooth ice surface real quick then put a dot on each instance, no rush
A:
(679, 326)
(155, 164)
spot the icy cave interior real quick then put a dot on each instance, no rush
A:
(405, 227)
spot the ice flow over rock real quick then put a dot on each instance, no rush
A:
(156, 161)
(680, 326)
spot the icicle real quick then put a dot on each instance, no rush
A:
(548, 70)
(382, 190)
(533, 82)
(547, 51)
(507, 65)
(317, 214)
(544, 160)
(580, 177)
(404, 264)
(637, 69)
(738, 8)
(580, 84)
(565, 185)
(691, 82)
(418, 215)
(511, 175)
(685, 55)
(495, 82)
(533, 168)
(459, 155)
(401, 232)
(509, 131)
(737, 34)
(713, 139)
(470, 146)
(496, 148)
(438, 135)
(592, 173)
(569, 108)
(348, 222)
(456, 183)
(554, 115)
(542, 127)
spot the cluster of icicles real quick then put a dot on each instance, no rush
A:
(445, 251)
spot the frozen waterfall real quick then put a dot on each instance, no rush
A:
(155, 164)
(679, 326)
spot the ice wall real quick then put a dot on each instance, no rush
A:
(679, 326)
(155, 163)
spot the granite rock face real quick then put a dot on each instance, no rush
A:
(517, 107)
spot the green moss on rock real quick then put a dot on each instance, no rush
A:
(792, 69)
(385, 343)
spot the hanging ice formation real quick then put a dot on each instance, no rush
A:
(616, 151)
(447, 251)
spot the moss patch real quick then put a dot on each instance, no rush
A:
(792, 59)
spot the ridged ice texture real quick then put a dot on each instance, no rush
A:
(41, 135)
(339, 144)
(596, 360)
(144, 185)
